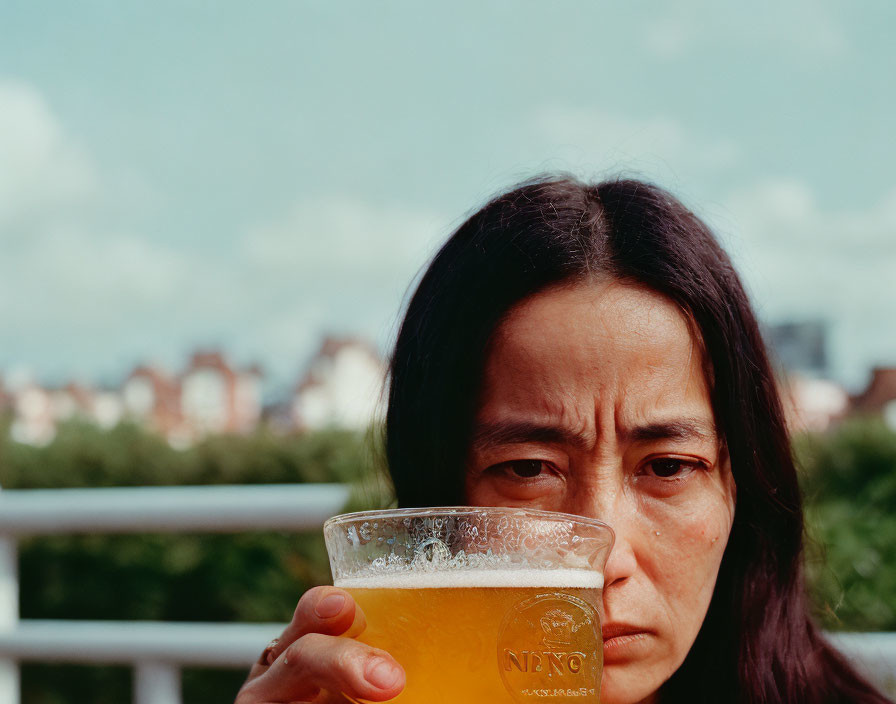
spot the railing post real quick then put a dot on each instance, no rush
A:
(9, 615)
(156, 683)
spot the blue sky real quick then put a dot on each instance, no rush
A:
(252, 175)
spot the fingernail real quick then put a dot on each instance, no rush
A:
(329, 606)
(381, 673)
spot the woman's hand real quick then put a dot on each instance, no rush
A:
(313, 660)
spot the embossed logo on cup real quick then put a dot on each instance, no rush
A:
(550, 650)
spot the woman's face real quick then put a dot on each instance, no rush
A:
(595, 402)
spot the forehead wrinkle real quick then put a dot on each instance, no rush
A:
(581, 424)
(551, 419)
(561, 409)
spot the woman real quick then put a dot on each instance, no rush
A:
(590, 349)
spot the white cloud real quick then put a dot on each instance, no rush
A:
(335, 263)
(338, 237)
(802, 258)
(808, 27)
(73, 289)
(669, 37)
(60, 260)
(42, 167)
(784, 213)
(78, 284)
(658, 146)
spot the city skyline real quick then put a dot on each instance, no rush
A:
(340, 386)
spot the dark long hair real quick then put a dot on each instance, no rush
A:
(758, 643)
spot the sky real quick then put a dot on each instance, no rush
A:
(251, 176)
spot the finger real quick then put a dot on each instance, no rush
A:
(317, 663)
(327, 610)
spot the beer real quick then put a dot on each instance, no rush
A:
(487, 636)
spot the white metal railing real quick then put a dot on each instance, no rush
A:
(873, 653)
(156, 650)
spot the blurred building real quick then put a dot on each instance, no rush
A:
(799, 352)
(151, 397)
(812, 404)
(209, 396)
(33, 422)
(879, 397)
(341, 387)
(800, 347)
(217, 398)
(37, 409)
(107, 408)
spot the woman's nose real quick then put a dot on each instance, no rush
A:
(621, 563)
(612, 508)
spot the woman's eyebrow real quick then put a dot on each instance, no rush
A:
(509, 432)
(675, 429)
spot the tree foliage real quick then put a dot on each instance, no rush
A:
(849, 482)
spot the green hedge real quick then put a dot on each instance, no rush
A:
(849, 478)
(849, 481)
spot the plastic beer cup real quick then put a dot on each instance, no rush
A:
(479, 605)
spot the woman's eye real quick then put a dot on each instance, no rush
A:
(523, 469)
(670, 467)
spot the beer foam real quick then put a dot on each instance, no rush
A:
(466, 579)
